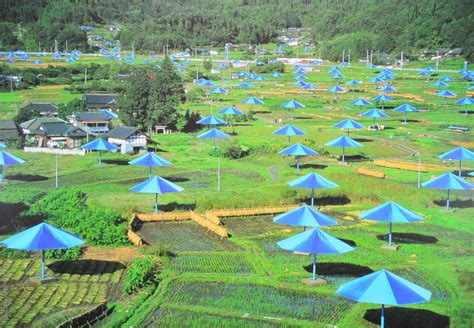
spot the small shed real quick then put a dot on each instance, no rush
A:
(129, 139)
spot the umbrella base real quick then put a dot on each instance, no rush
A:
(390, 248)
(301, 253)
(38, 281)
(311, 282)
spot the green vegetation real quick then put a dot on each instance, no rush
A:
(138, 274)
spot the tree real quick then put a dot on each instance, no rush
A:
(151, 97)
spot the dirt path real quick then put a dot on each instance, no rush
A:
(118, 254)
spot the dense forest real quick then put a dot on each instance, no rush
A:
(385, 25)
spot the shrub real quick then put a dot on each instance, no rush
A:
(12, 254)
(138, 274)
(73, 253)
(66, 209)
(235, 151)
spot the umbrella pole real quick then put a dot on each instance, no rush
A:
(460, 172)
(156, 203)
(382, 318)
(214, 144)
(297, 163)
(56, 171)
(42, 264)
(218, 174)
(343, 154)
(1, 173)
(405, 117)
(314, 267)
(390, 235)
(150, 173)
(289, 139)
(312, 197)
(447, 202)
(465, 110)
(100, 159)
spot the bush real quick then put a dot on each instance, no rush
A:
(207, 64)
(235, 151)
(12, 254)
(138, 274)
(66, 209)
(73, 253)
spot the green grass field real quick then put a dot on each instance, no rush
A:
(247, 280)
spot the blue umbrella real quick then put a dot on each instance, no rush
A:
(278, 75)
(252, 101)
(445, 94)
(208, 84)
(337, 76)
(156, 185)
(375, 113)
(440, 84)
(305, 216)
(245, 85)
(348, 124)
(312, 181)
(200, 80)
(289, 130)
(448, 181)
(308, 86)
(387, 88)
(385, 288)
(360, 102)
(42, 237)
(383, 98)
(230, 110)
(405, 108)
(336, 89)
(260, 78)
(376, 80)
(315, 241)
(298, 150)
(215, 134)
(424, 73)
(352, 83)
(460, 154)
(300, 83)
(343, 142)
(300, 77)
(2, 145)
(292, 104)
(218, 91)
(299, 71)
(211, 120)
(149, 159)
(471, 88)
(334, 69)
(390, 212)
(100, 145)
(8, 159)
(465, 101)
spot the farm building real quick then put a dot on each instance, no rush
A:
(44, 109)
(128, 138)
(100, 100)
(52, 133)
(8, 131)
(91, 122)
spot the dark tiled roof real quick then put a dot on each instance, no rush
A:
(90, 116)
(99, 99)
(41, 107)
(121, 132)
(59, 129)
(35, 123)
(8, 131)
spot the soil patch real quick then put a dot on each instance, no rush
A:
(404, 317)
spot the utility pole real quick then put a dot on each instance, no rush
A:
(55, 45)
(11, 83)
(349, 57)
(343, 53)
(19, 30)
(66, 45)
(367, 54)
(57, 169)
(371, 56)
(85, 75)
(419, 170)
(401, 60)
(437, 60)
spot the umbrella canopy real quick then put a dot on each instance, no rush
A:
(448, 181)
(343, 142)
(336, 88)
(252, 101)
(300, 77)
(466, 101)
(208, 84)
(383, 98)
(298, 150)
(360, 102)
(214, 134)
(439, 84)
(218, 90)
(390, 212)
(308, 86)
(315, 241)
(149, 159)
(353, 82)
(245, 84)
(156, 185)
(387, 88)
(305, 216)
(100, 145)
(446, 79)
(230, 110)
(337, 75)
(348, 124)
(376, 80)
(292, 104)
(312, 181)
(460, 154)
(42, 237)
(289, 130)
(8, 159)
(375, 113)
(405, 108)
(2, 145)
(445, 94)
(260, 78)
(385, 288)
(211, 120)
(277, 74)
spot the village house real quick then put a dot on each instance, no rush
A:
(100, 100)
(128, 138)
(8, 132)
(92, 122)
(52, 133)
(44, 109)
